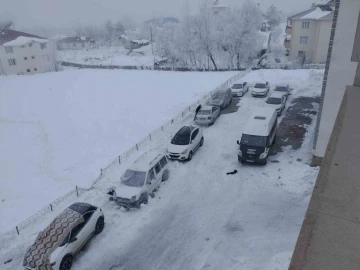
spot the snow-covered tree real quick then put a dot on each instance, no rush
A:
(119, 28)
(273, 15)
(109, 29)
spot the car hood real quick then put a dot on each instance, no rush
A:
(126, 192)
(258, 90)
(216, 102)
(173, 148)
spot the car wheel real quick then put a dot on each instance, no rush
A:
(66, 263)
(190, 156)
(201, 141)
(100, 224)
(165, 176)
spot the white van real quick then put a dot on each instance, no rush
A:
(258, 136)
(140, 180)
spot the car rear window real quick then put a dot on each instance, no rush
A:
(273, 100)
(204, 112)
(237, 86)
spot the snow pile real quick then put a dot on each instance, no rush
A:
(76, 122)
(20, 41)
(316, 14)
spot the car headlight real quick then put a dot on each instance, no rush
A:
(133, 198)
(263, 155)
(184, 152)
(240, 153)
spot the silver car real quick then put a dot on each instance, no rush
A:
(207, 115)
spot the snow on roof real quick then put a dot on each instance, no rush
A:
(146, 161)
(20, 41)
(260, 127)
(140, 41)
(316, 14)
(83, 38)
(8, 35)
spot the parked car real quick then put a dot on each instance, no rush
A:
(185, 142)
(221, 98)
(285, 90)
(56, 246)
(277, 100)
(239, 89)
(207, 115)
(258, 136)
(141, 180)
(260, 89)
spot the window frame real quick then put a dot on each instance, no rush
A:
(12, 62)
(305, 25)
(28, 70)
(304, 39)
(9, 49)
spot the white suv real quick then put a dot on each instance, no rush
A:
(185, 142)
(140, 180)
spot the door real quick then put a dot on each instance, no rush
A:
(150, 181)
(77, 237)
(195, 139)
(158, 174)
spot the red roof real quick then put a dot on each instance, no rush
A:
(9, 35)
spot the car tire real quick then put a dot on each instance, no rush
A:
(202, 141)
(165, 176)
(190, 156)
(66, 262)
(100, 224)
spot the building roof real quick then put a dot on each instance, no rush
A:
(315, 13)
(8, 35)
(76, 40)
(257, 126)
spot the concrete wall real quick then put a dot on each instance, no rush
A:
(322, 44)
(341, 71)
(297, 32)
(29, 59)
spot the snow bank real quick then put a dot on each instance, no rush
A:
(20, 41)
(76, 122)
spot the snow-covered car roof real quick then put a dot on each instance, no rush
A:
(206, 108)
(276, 94)
(38, 254)
(259, 122)
(146, 160)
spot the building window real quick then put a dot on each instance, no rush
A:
(12, 62)
(303, 40)
(25, 58)
(9, 49)
(35, 69)
(305, 25)
(28, 70)
(43, 46)
(32, 57)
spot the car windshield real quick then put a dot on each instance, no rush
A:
(237, 86)
(281, 88)
(252, 140)
(181, 138)
(272, 100)
(260, 85)
(205, 112)
(133, 178)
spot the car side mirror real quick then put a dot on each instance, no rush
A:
(73, 240)
(238, 142)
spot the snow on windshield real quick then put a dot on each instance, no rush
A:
(260, 85)
(182, 137)
(272, 100)
(133, 178)
(237, 86)
(252, 140)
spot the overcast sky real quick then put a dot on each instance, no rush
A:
(63, 13)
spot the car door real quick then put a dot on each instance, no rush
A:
(158, 174)
(150, 181)
(77, 238)
(195, 139)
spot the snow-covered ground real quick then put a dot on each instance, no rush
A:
(202, 218)
(118, 56)
(59, 129)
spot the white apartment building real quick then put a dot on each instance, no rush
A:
(309, 33)
(22, 53)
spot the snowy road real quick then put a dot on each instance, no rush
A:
(202, 218)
